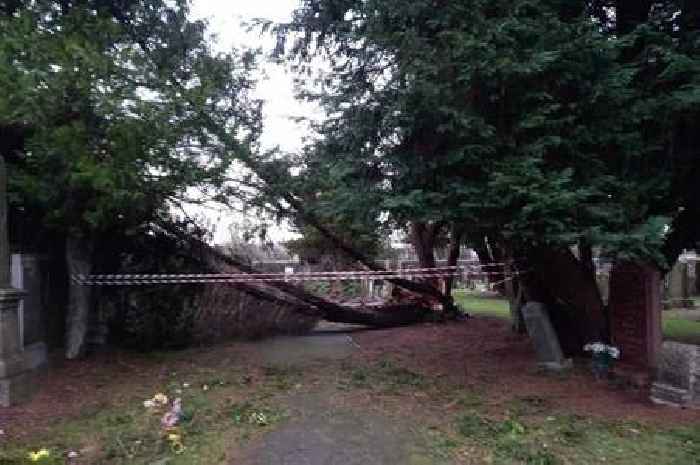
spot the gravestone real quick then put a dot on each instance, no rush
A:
(541, 331)
(678, 286)
(677, 380)
(635, 314)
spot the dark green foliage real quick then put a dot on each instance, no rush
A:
(118, 104)
(151, 317)
(527, 118)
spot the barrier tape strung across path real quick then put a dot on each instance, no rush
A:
(223, 278)
(404, 271)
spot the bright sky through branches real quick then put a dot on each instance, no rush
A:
(275, 87)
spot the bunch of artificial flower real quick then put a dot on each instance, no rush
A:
(598, 348)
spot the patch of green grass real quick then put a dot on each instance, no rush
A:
(486, 306)
(441, 445)
(576, 440)
(128, 433)
(529, 405)
(470, 399)
(385, 375)
(682, 330)
(282, 377)
(247, 413)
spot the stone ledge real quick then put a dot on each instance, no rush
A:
(21, 373)
(10, 295)
(12, 365)
(20, 388)
(665, 394)
(564, 365)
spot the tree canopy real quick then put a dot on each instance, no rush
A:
(117, 106)
(544, 123)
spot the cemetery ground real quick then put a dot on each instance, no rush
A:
(466, 392)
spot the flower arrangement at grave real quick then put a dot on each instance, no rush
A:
(603, 357)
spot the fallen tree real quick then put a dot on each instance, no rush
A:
(281, 292)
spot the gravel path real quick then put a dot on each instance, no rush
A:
(319, 433)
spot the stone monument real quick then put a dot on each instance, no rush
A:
(635, 314)
(541, 331)
(18, 368)
(677, 376)
(678, 286)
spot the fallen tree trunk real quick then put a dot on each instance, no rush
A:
(270, 175)
(301, 300)
(412, 286)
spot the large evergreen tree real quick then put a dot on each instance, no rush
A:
(544, 124)
(109, 111)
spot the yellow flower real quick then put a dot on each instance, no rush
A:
(177, 447)
(173, 437)
(161, 398)
(38, 455)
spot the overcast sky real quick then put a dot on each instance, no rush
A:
(276, 88)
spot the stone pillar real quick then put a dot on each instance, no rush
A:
(20, 366)
(635, 314)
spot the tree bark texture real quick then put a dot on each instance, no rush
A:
(80, 304)
(556, 278)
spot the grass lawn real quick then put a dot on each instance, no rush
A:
(682, 330)
(678, 325)
(486, 306)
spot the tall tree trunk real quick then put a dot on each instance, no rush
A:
(79, 261)
(491, 253)
(586, 257)
(422, 236)
(556, 278)
(514, 291)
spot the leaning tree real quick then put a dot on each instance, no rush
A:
(106, 116)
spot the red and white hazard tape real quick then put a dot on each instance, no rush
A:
(223, 278)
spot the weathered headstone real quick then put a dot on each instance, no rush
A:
(541, 331)
(635, 313)
(677, 380)
(678, 286)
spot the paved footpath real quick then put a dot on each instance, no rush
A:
(322, 434)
